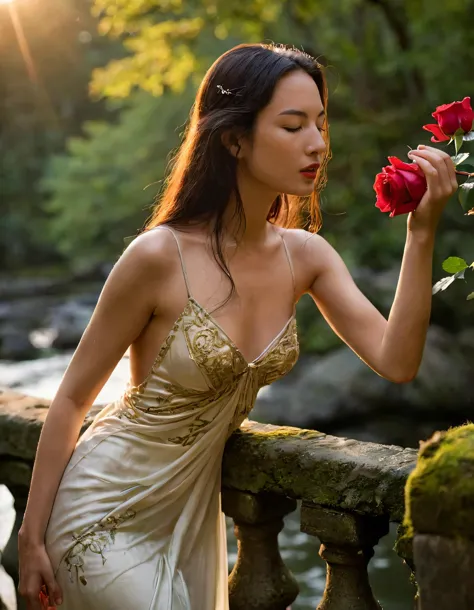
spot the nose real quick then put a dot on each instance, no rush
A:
(316, 143)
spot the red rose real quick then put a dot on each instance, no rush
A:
(451, 117)
(44, 600)
(400, 187)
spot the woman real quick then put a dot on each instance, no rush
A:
(129, 517)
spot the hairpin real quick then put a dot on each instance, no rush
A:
(224, 91)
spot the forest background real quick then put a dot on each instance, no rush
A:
(94, 97)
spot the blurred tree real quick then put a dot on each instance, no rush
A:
(47, 51)
(106, 183)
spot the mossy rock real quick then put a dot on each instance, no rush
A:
(439, 493)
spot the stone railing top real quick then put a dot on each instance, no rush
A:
(21, 420)
(366, 478)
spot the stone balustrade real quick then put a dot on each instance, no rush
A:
(349, 491)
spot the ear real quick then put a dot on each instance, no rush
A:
(232, 142)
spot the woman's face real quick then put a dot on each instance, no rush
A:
(287, 137)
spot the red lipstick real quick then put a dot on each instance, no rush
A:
(310, 170)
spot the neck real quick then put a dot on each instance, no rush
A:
(257, 199)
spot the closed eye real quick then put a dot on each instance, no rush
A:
(294, 129)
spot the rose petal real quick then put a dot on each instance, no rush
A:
(396, 181)
(435, 129)
(415, 184)
(454, 116)
(383, 207)
(383, 194)
(404, 208)
(399, 187)
(466, 115)
(399, 164)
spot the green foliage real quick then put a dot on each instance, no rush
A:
(102, 190)
(45, 67)
(454, 264)
(383, 81)
(388, 68)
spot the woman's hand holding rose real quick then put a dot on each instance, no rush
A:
(439, 171)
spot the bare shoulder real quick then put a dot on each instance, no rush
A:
(151, 252)
(146, 265)
(302, 240)
(311, 253)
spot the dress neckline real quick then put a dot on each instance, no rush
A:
(248, 363)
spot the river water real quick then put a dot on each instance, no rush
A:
(388, 575)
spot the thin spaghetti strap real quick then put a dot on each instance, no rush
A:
(290, 263)
(183, 266)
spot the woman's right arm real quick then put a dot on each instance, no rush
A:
(125, 305)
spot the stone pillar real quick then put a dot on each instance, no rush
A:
(347, 547)
(440, 517)
(404, 549)
(260, 580)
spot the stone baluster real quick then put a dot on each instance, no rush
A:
(347, 547)
(260, 580)
(440, 519)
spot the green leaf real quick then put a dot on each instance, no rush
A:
(470, 297)
(458, 159)
(458, 140)
(445, 282)
(466, 195)
(454, 264)
(466, 167)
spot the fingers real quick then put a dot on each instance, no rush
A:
(30, 592)
(449, 164)
(54, 590)
(438, 168)
(35, 594)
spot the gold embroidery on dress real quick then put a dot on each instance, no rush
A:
(282, 357)
(194, 431)
(170, 405)
(222, 364)
(97, 541)
(212, 351)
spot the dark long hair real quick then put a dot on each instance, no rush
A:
(203, 174)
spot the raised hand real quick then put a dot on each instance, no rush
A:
(439, 171)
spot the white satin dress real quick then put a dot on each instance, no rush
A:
(137, 521)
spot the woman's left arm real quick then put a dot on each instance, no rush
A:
(393, 348)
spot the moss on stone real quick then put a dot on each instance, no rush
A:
(404, 545)
(329, 471)
(439, 494)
